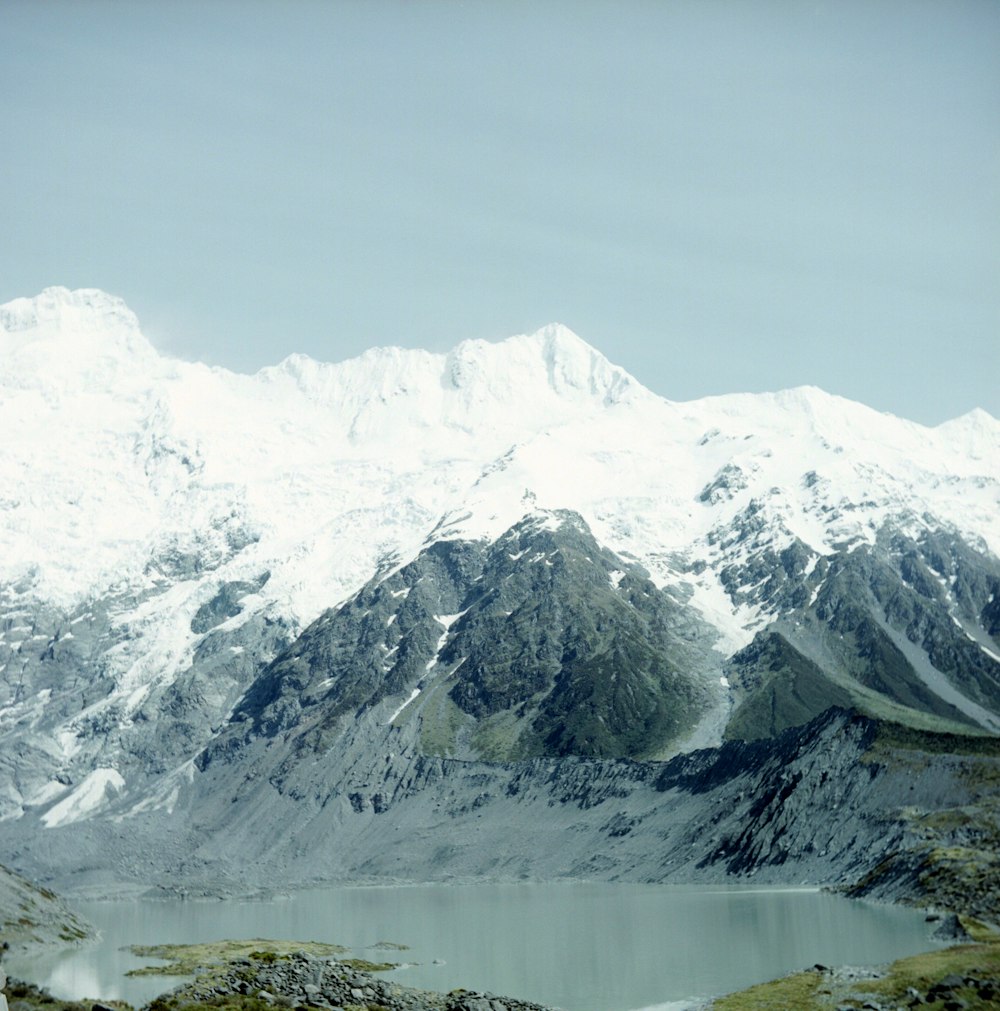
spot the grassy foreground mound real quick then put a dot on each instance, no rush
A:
(962, 978)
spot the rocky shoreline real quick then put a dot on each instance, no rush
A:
(962, 978)
(297, 981)
(301, 980)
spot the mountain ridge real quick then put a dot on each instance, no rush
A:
(199, 569)
(59, 311)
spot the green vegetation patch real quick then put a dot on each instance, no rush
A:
(496, 737)
(784, 688)
(363, 965)
(921, 972)
(979, 931)
(191, 959)
(441, 722)
(824, 989)
(229, 1002)
(974, 742)
(797, 991)
(964, 878)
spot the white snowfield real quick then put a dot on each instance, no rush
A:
(115, 459)
(86, 799)
(112, 455)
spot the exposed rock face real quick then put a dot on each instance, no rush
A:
(830, 802)
(33, 917)
(898, 629)
(782, 688)
(542, 643)
(60, 676)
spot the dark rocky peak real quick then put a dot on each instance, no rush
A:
(901, 627)
(575, 650)
(572, 649)
(776, 687)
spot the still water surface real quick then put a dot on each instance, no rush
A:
(579, 946)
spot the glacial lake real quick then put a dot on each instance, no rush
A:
(578, 946)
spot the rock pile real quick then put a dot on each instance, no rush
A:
(954, 992)
(328, 984)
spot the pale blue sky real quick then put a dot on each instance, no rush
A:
(720, 196)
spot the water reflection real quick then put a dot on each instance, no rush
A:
(587, 947)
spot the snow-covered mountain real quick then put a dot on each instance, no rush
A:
(169, 531)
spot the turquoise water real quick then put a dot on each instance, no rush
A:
(578, 946)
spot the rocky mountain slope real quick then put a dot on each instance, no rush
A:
(32, 917)
(338, 620)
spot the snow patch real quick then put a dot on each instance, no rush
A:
(447, 620)
(413, 695)
(166, 794)
(96, 790)
(46, 793)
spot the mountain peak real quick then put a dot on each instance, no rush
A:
(553, 356)
(61, 331)
(975, 420)
(58, 307)
(517, 386)
(977, 433)
(559, 341)
(573, 363)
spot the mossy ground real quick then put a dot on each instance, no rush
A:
(816, 990)
(230, 1002)
(922, 971)
(964, 877)
(188, 959)
(893, 736)
(497, 738)
(441, 721)
(798, 991)
(363, 965)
